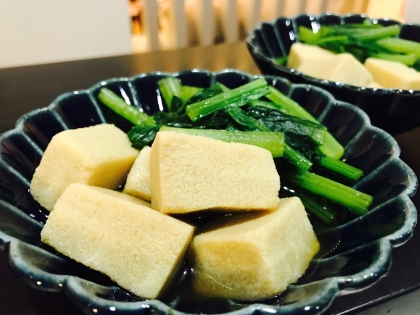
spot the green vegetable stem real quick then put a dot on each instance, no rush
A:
(342, 168)
(235, 97)
(297, 159)
(321, 209)
(356, 201)
(169, 87)
(399, 45)
(127, 111)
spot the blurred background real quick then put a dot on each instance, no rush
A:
(46, 31)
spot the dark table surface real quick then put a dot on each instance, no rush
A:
(23, 89)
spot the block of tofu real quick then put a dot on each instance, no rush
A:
(138, 179)
(123, 195)
(191, 173)
(100, 155)
(391, 74)
(255, 256)
(111, 232)
(343, 68)
(318, 67)
(374, 85)
(300, 52)
(349, 70)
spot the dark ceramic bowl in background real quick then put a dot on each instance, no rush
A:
(393, 110)
(353, 256)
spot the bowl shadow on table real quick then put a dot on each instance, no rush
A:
(393, 110)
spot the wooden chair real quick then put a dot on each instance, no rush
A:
(172, 24)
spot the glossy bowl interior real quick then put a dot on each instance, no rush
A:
(392, 110)
(353, 256)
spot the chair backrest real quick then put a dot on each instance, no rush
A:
(171, 24)
(33, 32)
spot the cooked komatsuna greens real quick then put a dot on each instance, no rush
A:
(258, 114)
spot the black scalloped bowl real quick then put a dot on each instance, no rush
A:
(393, 110)
(353, 255)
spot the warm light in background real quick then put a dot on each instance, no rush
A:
(230, 20)
(35, 32)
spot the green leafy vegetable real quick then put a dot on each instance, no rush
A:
(236, 97)
(141, 136)
(206, 93)
(188, 91)
(276, 120)
(331, 147)
(246, 121)
(281, 60)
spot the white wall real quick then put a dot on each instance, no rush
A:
(44, 31)
(412, 11)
